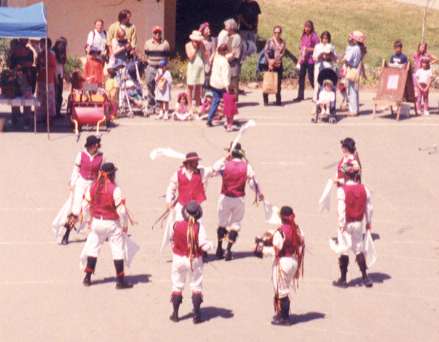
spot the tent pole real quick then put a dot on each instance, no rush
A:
(47, 89)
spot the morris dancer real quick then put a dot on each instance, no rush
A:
(189, 241)
(350, 153)
(109, 221)
(289, 245)
(236, 172)
(85, 172)
(187, 184)
(354, 205)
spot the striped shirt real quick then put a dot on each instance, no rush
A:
(156, 52)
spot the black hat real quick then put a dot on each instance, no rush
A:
(192, 209)
(108, 168)
(191, 156)
(349, 144)
(237, 151)
(286, 211)
(92, 140)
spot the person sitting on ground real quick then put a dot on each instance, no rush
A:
(398, 58)
(326, 97)
(182, 112)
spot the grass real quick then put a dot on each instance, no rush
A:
(383, 21)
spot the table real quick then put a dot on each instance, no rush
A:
(22, 101)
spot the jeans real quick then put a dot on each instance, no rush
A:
(279, 87)
(304, 68)
(217, 96)
(353, 97)
(58, 94)
(150, 74)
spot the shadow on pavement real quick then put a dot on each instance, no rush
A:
(248, 104)
(376, 277)
(306, 317)
(133, 279)
(210, 312)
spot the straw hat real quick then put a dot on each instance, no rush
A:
(196, 36)
(358, 36)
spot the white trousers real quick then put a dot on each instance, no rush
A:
(100, 231)
(181, 270)
(282, 275)
(352, 237)
(231, 212)
(81, 185)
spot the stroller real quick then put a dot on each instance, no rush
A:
(130, 89)
(326, 74)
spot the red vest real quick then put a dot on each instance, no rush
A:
(181, 244)
(355, 199)
(190, 190)
(234, 178)
(291, 241)
(89, 168)
(102, 203)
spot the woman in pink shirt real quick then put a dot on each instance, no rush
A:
(308, 41)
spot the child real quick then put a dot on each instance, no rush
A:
(182, 113)
(423, 77)
(163, 81)
(326, 97)
(112, 91)
(205, 105)
(398, 58)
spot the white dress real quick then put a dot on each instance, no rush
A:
(163, 95)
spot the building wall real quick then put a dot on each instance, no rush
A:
(73, 19)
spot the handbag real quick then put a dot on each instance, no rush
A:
(353, 74)
(269, 84)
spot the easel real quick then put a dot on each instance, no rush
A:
(394, 88)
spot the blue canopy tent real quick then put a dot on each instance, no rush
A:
(26, 22)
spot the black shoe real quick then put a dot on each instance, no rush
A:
(219, 253)
(367, 282)
(209, 124)
(121, 285)
(341, 282)
(87, 280)
(174, 317)
(197, 299)
(278, 320)
(228, 256)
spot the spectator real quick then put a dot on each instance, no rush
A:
(398, 58)
(42, 95)
(209, 43)
(229, 35)
(248, 18)
(423, 76)
(156, 50)
(123, 22)
(197, 56)
(324, 56)
(421, 52)
(21, 60)
(220, 80)
(60, 50)
(163, 89)
(120, 49)
(97, 53)
(181, 112)
(308, 41)
(352, 60)
(274, 52)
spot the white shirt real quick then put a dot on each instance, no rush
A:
(97, 40)
(204, 244)
(323, 48)
(221, 73)
(118, 202)
(326, 97)
(342, 205)
(171, 191)
(423, 76)
(77, 165)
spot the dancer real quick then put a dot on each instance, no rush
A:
(189, 241)
(354, 206)
(236, 172)
(289, 247)
(85, 171)
(350, 153)
(109, 222)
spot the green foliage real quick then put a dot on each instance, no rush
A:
(72, 64)
(248, 70)
(177, 67)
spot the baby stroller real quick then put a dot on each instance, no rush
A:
(324, 75)
(130, 89)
